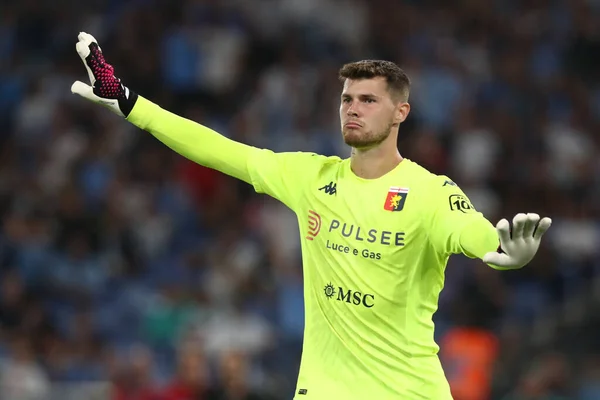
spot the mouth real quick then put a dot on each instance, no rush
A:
(352, 125)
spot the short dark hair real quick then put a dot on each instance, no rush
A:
(397, 80)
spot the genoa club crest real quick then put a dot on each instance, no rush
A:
(395, 199)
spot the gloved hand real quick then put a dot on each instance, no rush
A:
(517, 248)
(105, 88)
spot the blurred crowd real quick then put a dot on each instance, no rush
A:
(123, 263)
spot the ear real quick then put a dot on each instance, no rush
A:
(401, 112)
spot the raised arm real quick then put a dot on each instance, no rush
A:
(188, 138)
(192, 140)
(283, 176)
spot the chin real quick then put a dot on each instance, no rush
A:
(361, 141)
(353, 139)
(357, 143)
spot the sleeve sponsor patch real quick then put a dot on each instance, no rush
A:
(459, 202)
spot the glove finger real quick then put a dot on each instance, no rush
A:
(86, 91)
(542, 227)
(87, 38)
(84, 53)
(518, 226)
(84, 49)
(503, 229)
(498, 259)
(530, 224)
(83, 90)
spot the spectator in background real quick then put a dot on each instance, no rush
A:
(235, 378)
(191, 380)
(547, 379)
(13, 302)
(135, 377)
(469, 354)
(21, 377)
(469, 350)
(589, 379)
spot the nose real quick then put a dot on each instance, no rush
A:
(351, 112)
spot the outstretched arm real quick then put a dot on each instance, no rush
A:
(188, 138)
(192, 140)
(458, 228)
(283, 176)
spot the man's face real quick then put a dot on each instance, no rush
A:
(367, 112)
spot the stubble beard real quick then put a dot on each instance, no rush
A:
(361, 140)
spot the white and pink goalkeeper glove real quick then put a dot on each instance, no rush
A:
(104, 88)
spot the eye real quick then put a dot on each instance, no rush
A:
(369, 100)
(346, 100)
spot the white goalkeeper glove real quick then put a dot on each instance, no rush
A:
(517, 248)
(104, 88)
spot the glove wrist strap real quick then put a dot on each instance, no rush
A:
(127, 103)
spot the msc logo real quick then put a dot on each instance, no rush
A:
(330, 188)
(349, 296)
(461, 203)
(314, 224)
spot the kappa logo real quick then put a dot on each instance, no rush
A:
(330, 188)
(314, 224)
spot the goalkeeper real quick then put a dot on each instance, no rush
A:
(377, 231)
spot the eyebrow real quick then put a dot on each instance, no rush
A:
(362, 96)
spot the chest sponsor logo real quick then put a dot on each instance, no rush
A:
(349, 296)
(314, 224)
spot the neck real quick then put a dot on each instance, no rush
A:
(374, 162)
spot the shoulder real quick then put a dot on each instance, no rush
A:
(302, 158)
(443, 183)
(294, 166)
(428, 180)
(304, 163)
(319, 160)
(439, 190)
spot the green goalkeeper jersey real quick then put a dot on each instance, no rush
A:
(374, 256)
